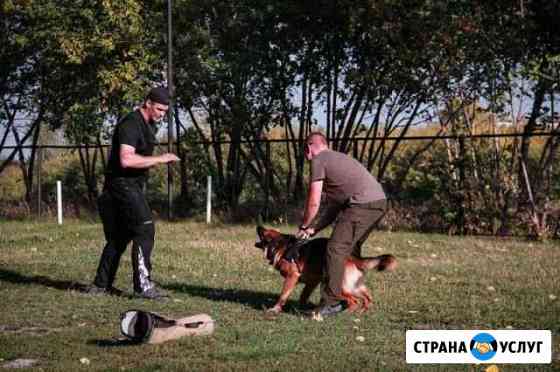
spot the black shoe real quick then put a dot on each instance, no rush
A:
(328, 310)
(153, 294)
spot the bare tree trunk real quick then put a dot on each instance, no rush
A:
(88, 164)
(398, 141)
(531, 126)
(298, 144)
(21, 141)
(27, 165)
(349, 123)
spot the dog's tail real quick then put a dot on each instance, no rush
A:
(385, 262)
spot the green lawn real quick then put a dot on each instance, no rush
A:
(442, 283)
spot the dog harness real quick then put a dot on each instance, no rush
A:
(290, 254)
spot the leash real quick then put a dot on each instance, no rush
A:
(292, 252)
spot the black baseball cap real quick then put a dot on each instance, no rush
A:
(159, 95)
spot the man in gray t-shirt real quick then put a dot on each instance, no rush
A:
(355, 199)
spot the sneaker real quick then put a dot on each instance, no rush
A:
(99, 291)
(328, 310)
(153, 294)
(95, 290)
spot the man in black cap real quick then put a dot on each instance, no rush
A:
(123, 208)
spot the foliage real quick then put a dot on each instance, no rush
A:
(72, 65)
(10, 184)
(374, 70)
(64, 167)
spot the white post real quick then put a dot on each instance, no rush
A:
(209, 200)
(59, 200)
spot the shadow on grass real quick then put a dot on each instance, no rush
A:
(256, 300)
(63, 285)
(113, 343)
(17, 278)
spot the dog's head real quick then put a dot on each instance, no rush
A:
(271, 242)
(265, 237)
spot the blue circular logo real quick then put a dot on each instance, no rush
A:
(483, 346)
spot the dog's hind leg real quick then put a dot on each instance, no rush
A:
(307, 291)
(351, 302)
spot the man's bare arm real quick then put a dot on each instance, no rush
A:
(313, 202)
(130, 159)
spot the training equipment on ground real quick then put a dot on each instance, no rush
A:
(151, 328)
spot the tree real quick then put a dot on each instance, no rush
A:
(225, 71)
(74, 65)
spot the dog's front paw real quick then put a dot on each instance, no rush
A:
(274, 310)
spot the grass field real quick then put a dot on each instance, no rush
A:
(442, 283)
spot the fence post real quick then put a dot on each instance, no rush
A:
(39, 180)
(209, 200)
(59, 201)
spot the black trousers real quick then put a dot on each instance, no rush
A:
(126, 217)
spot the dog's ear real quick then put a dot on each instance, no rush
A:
(261, 232)
(259, 243)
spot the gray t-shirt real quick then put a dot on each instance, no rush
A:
(345, 179)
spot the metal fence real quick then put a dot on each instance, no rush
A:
(272, 155)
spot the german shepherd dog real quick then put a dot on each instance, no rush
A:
(309, 264)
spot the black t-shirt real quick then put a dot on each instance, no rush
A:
(132, 130)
